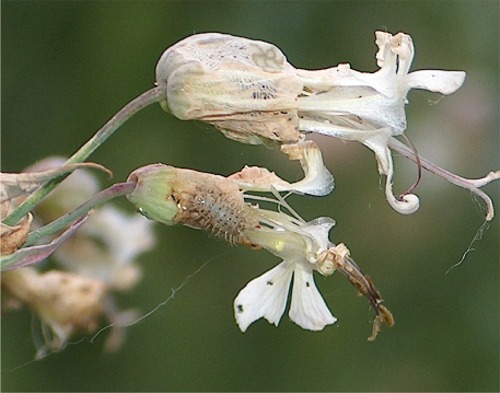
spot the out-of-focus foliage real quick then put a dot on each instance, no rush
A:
(67, 67)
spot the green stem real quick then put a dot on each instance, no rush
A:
(100, 198)
(145, 99)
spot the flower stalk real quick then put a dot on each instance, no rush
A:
(142, 101)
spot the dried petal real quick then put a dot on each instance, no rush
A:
(16, 184)
(12, 237)
(338, 258)
(317, 179)
(65, 302)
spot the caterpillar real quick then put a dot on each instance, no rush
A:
(210, 207)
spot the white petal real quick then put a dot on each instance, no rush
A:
(395, 53)
(308, 309)
(445, 82)
(378, 105)
(405, 204)
(376, 139)
(317, 179)
(319, 228)
(264, 296)
(386, 58)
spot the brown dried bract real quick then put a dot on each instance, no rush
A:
(15, 184)
(13, 237)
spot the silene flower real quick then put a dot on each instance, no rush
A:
(219, 206)
(249, 91)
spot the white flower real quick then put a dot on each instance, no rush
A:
(266, 296)
(249, 91)
(369, 107)
(218, 205)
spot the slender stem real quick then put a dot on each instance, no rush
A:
(145, 99)
(100, 198)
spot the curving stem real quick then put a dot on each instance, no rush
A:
(147, 98)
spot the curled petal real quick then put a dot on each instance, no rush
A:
(317, 179)
(308, 309)
(471, 184)
(378, 143)
(405, 204)
(264, 296)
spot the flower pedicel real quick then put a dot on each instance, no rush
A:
(218, 205)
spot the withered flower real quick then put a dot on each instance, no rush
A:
(219, 206)
(249, 91)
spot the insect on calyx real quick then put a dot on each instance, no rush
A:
(197, 200)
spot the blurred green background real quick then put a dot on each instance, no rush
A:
(68, 66)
